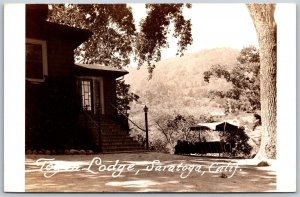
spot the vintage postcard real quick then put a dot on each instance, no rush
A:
(150, 98)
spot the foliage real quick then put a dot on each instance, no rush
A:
(206, 118)
(125, 97)
(157, 140)
(248, 55)
(112, 26)
(233, 143)
(239, 142)
(111, 43)
(245, 93)
(174, 128)
(216, 71)
(155, 29)
(257, 121)
(115, 38)
(177, 85)
(114, 35)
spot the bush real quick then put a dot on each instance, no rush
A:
(160, 146)
(185, 147)
(238, 139)
(156, 140)
(234, 143)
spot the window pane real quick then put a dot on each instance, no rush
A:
(86, 95)
(86, 88)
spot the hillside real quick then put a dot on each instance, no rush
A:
(177, 85)
(190, 66)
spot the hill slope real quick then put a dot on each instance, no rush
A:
(177, 85)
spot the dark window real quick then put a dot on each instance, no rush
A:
(86, 95)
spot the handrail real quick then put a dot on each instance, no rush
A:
(95, 123)
(127, 118)
(91, 118)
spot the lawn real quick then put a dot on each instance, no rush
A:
(145, 172)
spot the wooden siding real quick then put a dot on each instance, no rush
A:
(60, 53)
(109, 86)
(60, 58)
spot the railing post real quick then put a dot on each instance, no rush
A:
(146, 126)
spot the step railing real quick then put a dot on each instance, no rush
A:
(146, 122)
(124, 115)
(96, 124)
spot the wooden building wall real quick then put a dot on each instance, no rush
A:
(109, 86)
(52, 106)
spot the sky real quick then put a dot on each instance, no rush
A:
(213, 26)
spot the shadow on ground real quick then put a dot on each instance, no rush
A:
(86, 173)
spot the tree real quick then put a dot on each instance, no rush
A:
(111, 43)
(155, 29)
(248, 55)
(238, 139)
(265, 25)
(115, 23)
(244, 77)
(113, 31)
(115, 38)
(216, 71)
(125, 97)
(175, 128)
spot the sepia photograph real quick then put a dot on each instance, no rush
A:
(142, 97)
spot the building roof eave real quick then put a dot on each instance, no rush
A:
(98, 70)
(76, 35)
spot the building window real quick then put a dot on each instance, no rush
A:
(86, 95)
(36, 60)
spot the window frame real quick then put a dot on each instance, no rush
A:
(101, 91)
(91, 94)
(43, 43)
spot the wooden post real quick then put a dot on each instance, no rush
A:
(220, 140)
(146, 126)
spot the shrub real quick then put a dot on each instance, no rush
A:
(239, 142)
(234, 143)
(185, 147)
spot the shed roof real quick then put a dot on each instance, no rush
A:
(99, 70)
(216, 126)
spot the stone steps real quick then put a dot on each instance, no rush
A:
(114, 139)
(120, 144)
(114, 134)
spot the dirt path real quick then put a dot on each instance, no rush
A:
(139, 172)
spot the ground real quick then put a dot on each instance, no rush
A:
(84, 173)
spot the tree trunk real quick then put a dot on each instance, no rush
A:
(264, 22)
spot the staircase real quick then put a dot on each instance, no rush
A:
(115, 139)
